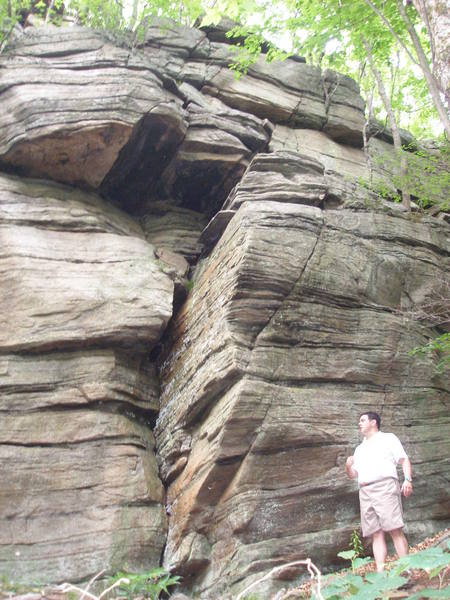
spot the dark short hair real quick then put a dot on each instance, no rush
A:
(373, 416)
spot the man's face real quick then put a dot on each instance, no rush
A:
(365, 425)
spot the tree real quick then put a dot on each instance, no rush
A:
(330, 33)
(435, 15)
(406, 199)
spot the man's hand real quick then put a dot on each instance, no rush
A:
(406, 488)
(407, 472)
(351, 472)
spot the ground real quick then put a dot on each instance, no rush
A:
(419, 580)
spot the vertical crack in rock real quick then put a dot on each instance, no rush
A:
(294, 285)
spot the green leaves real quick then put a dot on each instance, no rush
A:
(430, 593)
(439, 345)
(347, 554)
(149, 585)
(353, 555)
(330, 34)
(432, 560)
(378, 585)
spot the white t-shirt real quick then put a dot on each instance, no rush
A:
(377, 457)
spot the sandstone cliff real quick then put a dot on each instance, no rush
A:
(124, 173)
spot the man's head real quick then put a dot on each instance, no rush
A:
(369, 422)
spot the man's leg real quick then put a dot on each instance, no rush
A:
(400, 542)
(379, 549)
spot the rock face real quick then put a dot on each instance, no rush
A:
(267, 372)
(82, 296)
(201, 423)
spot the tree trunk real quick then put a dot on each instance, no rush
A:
(134, 15)
(49, 10)
(431, 81)
(406, 200)
(436, 16)
(432, 84)
(365, 136)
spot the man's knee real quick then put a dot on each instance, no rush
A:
(378, 535)
(395, 533)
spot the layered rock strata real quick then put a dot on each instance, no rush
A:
(267, 371)
(258, 190)
(83, 299)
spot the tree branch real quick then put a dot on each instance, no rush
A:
(391, 29)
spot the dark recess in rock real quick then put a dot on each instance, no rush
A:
(138, 168)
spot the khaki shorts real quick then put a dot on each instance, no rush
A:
(381, 506)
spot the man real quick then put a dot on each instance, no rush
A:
(375, 464)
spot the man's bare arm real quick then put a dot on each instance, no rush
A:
(351, 472)
(407, 472)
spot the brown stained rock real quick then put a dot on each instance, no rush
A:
(75, 157)
(177, 263)
(266, 373)
(89, 100)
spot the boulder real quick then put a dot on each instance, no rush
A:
(174, 228)
(80, 493)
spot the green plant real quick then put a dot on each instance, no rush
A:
(426, 176)
(373, 585)
(378, 585)
(149, 584)
(354, 558)
(356, 552)
(356, 543)
(440, 346)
